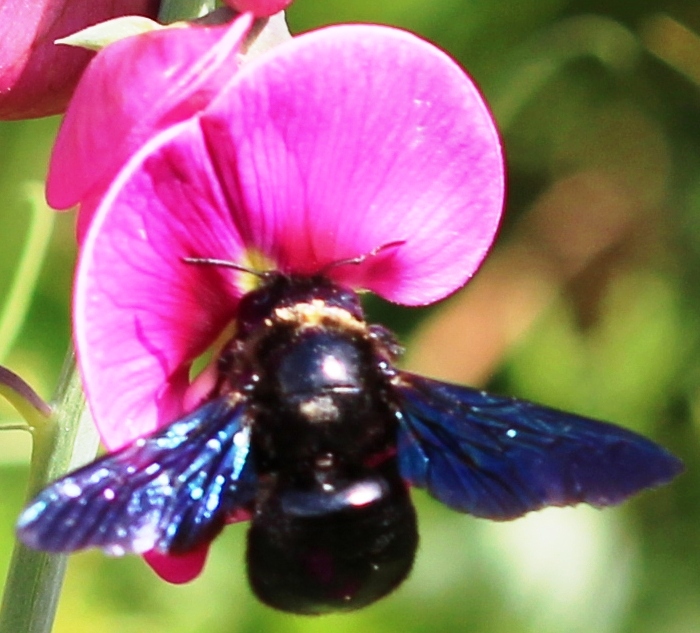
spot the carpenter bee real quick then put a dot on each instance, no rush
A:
(314, 433)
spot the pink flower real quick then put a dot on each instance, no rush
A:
(259, 8)
(340, 142)
(133, 89)
(37, 77)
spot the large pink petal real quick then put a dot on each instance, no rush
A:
(354, 137)
(131, 90)
(141, 314)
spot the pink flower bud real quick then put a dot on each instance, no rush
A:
(259, 8)
(37, 77)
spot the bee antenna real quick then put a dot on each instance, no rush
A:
(355, 261)
(225, 263)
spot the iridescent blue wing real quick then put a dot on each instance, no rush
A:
(499, 457)
(170, 491)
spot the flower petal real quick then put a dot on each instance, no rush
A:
(37, 77)
(284, 164)
(141, 314)
(133, 89)
(181, 568)
(352, 138)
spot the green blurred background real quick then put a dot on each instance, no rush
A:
(590, 301)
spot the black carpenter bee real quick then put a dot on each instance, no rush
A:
(314, 432)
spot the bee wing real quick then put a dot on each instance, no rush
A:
(170, 491)
(499, 458)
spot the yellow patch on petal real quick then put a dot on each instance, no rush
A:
(255, 261)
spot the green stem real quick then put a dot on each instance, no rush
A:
(61, 443)
(174, 10)
(24, 399)
(23, 285)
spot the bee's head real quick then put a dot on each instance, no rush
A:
(279, 291)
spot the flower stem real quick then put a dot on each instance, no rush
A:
(60, 442)
(174, 10)
(24, 399)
